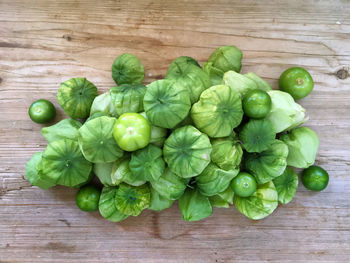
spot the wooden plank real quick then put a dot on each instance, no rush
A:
(44, 43)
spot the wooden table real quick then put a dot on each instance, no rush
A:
(43, 43)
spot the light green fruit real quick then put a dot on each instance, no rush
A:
(303, 145)
(147, 162)
(121, 173)
(214, 180)
(285, 113)
(131, 200)
(158, 202)
(257, 135)
(190, 76)
(239, 82)
(223, 199)
(64, 164)
(286, 185)
(158, 134)
(102, 103)
(260, 83)
(259, 205)
(107, 205)
(169, 185)
(128, 98)
(223, 59)
(268, 164)
(227, 152)
(34, 174)
(194, 206)
(127, 69)
(75, 96)
(218, 111)
(227, 58)
(187, 151)
(166, 103)
(96, 140)
(64, 129)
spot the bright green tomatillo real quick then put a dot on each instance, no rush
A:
(132, 131)
(42, 111)
(315, 178)
(256, 104)
(87, 198)
(244, 184)
(297, 82)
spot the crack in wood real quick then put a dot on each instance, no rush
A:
(65, 221)
(13, 45)
(59, 246)
(67, 37)
(4, 191)
(156, 231)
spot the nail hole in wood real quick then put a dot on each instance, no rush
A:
(67, 37)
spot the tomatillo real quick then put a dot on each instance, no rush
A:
(256, 104)
(244, 184)
(87, 198)
(297, 82)
(132, 131)
(42, 111)
(315, 178)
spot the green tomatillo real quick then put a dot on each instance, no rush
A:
(244, 184)
(315, 178)
(297, 82)
(42, 111)
(132, 131)
(87, 198)
(256, 104)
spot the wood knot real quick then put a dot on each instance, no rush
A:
(0, 80)
(3, 191)
(342, 74)
(67, 37)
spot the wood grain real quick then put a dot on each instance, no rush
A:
(43, 43)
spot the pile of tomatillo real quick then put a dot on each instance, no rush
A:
(206, 136)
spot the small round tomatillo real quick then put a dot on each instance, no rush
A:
(132, 131)
(297, 82)
(42, 111)
(256, 104)
(315, 178)
(87, 198)
(244, 184)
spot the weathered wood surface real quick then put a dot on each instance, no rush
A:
(43, 43)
